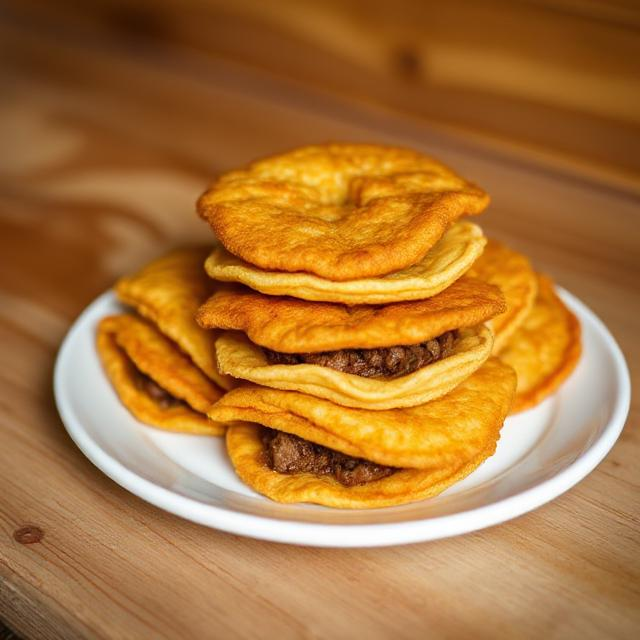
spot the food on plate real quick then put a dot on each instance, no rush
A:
(513, 274)
(168, 292)
(437, 368)
(290, 325)
(441, 266)
(339, 211)
(357, 341)
(154, 379)
(376, 458)
(545, 349)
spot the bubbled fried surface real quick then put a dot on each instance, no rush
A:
(246, 451)
(298, 326)
(545, 349)
(339, 211)
(442, 265)
(513, 274)
(242, 359)
(449, 431)
(168, 292)
(127, 346)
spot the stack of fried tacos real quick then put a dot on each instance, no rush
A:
(362, 347)
(354, 333)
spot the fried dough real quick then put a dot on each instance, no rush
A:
(128, 345)
(290, 325)
(245, 449)
(545, 349)
(513, 273)
(443, 264)
(241, 358)
(339, 211)
(447, 432)
(168, 292)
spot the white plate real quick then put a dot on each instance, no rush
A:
(541, 453)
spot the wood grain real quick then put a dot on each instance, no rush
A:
(537, 74)
(105, 150)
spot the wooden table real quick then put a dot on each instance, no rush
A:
(104, 152)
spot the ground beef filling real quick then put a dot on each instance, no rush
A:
(387, 362)
(159, 395)
(286, 453)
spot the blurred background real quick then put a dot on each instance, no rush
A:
(114, 115)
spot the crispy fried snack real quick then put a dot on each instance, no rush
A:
(447, 432)
(245, 449)
(340, 211)
(443, 264)
(545, 349)
(168, 292)
(241, 358)
(297, 326)
(513, 273)
(128, 345)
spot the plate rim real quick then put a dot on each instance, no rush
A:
(351, 535)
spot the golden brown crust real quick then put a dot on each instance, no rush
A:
(245, 449)
(340, 211)
(448, 431)
(168, 292)
(545, 349)
(443, 264)
(241, 358)
(513, 273)
(123, 373)
(297, 326)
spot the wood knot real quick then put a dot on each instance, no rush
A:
(406, 62)
(28, 534)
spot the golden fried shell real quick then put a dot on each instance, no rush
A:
(545, 349)
(245, 449)
(298, 326)
(443, 264)
(339, 211)
(128, 345)
(168, 292)
(447, 432)
(513, 273)
(241, 358)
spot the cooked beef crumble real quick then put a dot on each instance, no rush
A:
(286, 453)
(386, 362)
(159, 395)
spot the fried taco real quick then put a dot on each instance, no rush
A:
(168, 292)
(397, 355)
(315, 451)
(513, 274)
(442, 265)
(545, 349)
(338, 211)
(154, 379)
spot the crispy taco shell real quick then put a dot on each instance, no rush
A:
(245, 449)
(513, 273)
(339, 211)
(290, 325)
(449, 431)
(168, 292)
(443, 264)
(240, 358)
(128, 345)
(545, 349)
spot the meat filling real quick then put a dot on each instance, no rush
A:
(386, 362)
(159, 395)
(286, 453)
